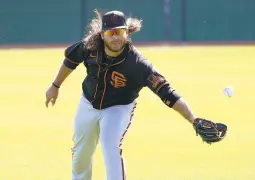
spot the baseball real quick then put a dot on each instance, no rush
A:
(228, 91)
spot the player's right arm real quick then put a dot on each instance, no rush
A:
(74, 55)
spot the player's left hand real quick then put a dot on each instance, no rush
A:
(209, 131)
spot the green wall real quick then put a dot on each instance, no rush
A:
(62, 21)
(33, 21)
(220, 20)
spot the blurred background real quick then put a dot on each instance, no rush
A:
(36, 141)
(64, 21)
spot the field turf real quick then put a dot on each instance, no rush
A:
(160, 145)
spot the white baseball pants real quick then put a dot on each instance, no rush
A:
(110, 126)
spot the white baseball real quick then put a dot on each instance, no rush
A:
(228, 91)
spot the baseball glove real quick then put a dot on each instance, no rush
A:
(209, 131)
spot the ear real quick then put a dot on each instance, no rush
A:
(127, 33)
(102, 35)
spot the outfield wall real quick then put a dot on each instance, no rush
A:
(63, 21)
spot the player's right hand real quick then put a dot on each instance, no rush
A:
(51, 95)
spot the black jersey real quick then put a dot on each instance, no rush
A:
(116, 80)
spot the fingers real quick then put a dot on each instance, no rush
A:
(47, 102)
(53, 101)
(51, 96)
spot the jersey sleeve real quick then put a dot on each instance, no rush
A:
(152, 78)
(159, 85)
(75, 54)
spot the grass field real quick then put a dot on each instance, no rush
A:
(160, 145)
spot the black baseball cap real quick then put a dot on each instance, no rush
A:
(113, 20)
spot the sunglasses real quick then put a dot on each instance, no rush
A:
(111, 32)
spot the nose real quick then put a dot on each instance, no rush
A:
(115, 36)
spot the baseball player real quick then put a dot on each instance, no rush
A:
(116, 72)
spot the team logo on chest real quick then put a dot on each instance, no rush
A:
(118, 80)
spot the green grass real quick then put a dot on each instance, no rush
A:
(160, 145)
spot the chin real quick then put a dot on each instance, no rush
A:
(116, 49)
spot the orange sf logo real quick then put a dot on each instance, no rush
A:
(118, 80)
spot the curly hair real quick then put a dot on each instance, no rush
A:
(92, 38)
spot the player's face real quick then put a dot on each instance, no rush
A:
(115, 39)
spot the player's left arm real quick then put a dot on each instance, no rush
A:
(160, 86)
(208, 130)
(184, 109)
(173, 100)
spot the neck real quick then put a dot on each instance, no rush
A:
(112, 53)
